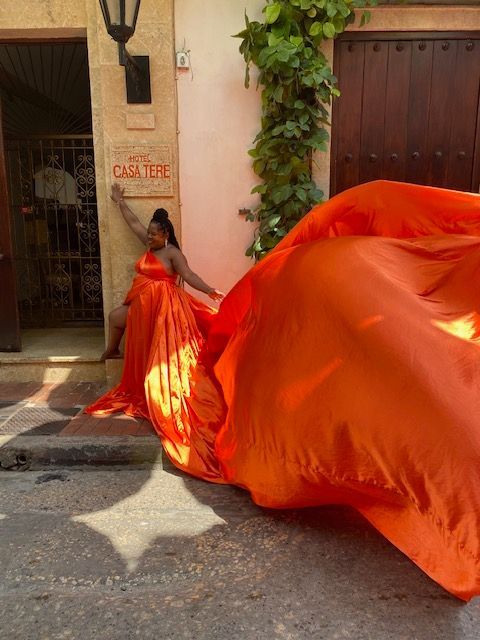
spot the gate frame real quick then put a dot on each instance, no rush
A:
(29, 36)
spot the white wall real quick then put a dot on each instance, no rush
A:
(218, 120)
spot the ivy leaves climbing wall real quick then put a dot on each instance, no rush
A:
(298, 85)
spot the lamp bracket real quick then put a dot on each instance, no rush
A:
(137, 76)
(137, 79)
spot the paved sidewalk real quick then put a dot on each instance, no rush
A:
(73, 397)
(44, 423)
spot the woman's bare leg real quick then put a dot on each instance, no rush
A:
(117, 321)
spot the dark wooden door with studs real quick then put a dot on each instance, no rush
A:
(408, 110)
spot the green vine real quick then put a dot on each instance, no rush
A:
(298, 83)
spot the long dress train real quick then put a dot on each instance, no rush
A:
(345, 368)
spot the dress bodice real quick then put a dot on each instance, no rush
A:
(151, 267)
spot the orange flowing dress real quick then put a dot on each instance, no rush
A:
(166, 328)
(343, 368)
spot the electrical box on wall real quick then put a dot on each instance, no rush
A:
(183, 60)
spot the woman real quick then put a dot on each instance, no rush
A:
(161, 240)
(161, 319)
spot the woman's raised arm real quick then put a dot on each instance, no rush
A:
(130, 218)
(181, 267)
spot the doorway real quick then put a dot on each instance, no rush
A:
(50, 178)
(408, 110)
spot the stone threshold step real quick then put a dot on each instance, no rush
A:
(52, 372)
(9, 359)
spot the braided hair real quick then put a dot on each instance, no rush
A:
(160, 217)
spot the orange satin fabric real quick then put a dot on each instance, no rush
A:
(345, 368)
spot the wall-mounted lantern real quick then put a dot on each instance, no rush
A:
(120, 19)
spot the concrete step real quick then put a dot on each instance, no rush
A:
(26, 452)
(56, 355)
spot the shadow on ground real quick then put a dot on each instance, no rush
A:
(149, 552)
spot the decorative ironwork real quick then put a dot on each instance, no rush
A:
(88, 229)
(60, 284)
(92, 283)
(55, 229)
(85, 176)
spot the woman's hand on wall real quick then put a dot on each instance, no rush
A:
(117, 193)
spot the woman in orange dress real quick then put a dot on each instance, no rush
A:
(163, 324)
(345, 368)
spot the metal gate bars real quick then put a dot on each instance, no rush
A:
(54, 219)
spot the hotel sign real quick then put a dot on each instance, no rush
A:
(143, 170)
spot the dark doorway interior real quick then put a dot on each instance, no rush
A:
(408, 110)
(48, 147)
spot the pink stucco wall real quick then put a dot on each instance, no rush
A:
(217, 120)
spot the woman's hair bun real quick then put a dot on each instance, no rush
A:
(160, 215)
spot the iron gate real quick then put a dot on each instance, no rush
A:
(54, 218)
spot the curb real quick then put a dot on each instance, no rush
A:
(19, 453)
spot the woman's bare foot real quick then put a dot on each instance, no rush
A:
(110, 355)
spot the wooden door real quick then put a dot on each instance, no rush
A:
(408, 110)
(9, 319)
